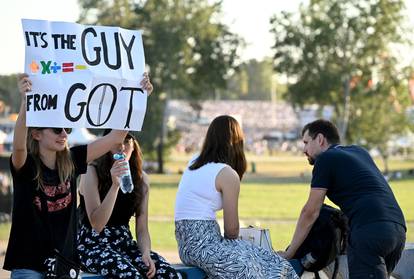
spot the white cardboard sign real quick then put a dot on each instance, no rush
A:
(84, 76)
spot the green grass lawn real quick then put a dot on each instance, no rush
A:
(4, 231)
(271, 198)
(282, 165)
(163, 239)
(274, 206)
(264, 200)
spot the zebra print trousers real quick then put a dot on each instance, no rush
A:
(200, 244)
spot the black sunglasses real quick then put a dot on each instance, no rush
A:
(58, 131)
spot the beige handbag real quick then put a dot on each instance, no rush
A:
(258, 236)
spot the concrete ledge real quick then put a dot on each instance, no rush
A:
(405, 267)
(403, 270)
(187, 272)
(91, 276)
(190, 272)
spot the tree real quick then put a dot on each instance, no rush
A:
(252, 81)
(9, 92)
(374, 122)
(188, 50)
(342, 53)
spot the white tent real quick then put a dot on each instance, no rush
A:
(80, 136)
(3, 136)
(9, 138)
(405, 141)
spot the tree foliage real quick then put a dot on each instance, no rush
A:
(9, 93)
(253, 81)
(188, 50)
(343, 52)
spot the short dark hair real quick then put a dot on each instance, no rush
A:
(324, 127)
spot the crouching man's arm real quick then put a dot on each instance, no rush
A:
(308, 216)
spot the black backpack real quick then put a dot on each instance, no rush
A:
(326, 241)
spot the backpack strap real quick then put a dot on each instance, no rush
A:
(46, 219)
(70, 247)
(336, 268)
(74, 222)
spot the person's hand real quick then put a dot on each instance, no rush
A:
(146, 84)
(285, 254)
(24, 84)
(117, 170)
(146, 258)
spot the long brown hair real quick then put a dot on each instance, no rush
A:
(64, 163)
(103, 167)
(224, 143)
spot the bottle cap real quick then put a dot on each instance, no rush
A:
(118, 156)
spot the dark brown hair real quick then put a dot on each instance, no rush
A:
(224, 143)
(103, 167)
(324, 127)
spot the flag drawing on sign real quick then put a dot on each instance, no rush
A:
(55, 68)
(67, 67)
(34, 67)
(80, 67)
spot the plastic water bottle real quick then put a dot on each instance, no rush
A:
(126, 180)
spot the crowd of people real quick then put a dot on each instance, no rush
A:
(45, 171)
(5, 197)
(258, 119)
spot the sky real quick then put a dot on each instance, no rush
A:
(250, 19)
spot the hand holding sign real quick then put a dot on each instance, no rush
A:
(24, 84)
(85, 76)
(146, 84)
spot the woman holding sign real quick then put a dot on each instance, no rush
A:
(211, 183)
(106, 245)
(44, 171)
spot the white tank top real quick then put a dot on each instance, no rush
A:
(197, 196)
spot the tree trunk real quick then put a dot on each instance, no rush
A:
(384, 157)
(160, 157)
(163, 135)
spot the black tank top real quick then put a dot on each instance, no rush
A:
(124, 209)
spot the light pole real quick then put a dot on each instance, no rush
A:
(163, 132)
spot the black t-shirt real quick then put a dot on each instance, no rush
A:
(35, 232)
(356, 185)
(124, 208)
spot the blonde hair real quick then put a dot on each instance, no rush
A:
(64, 163)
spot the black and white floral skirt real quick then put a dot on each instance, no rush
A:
(200, 244)
(114, 254)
